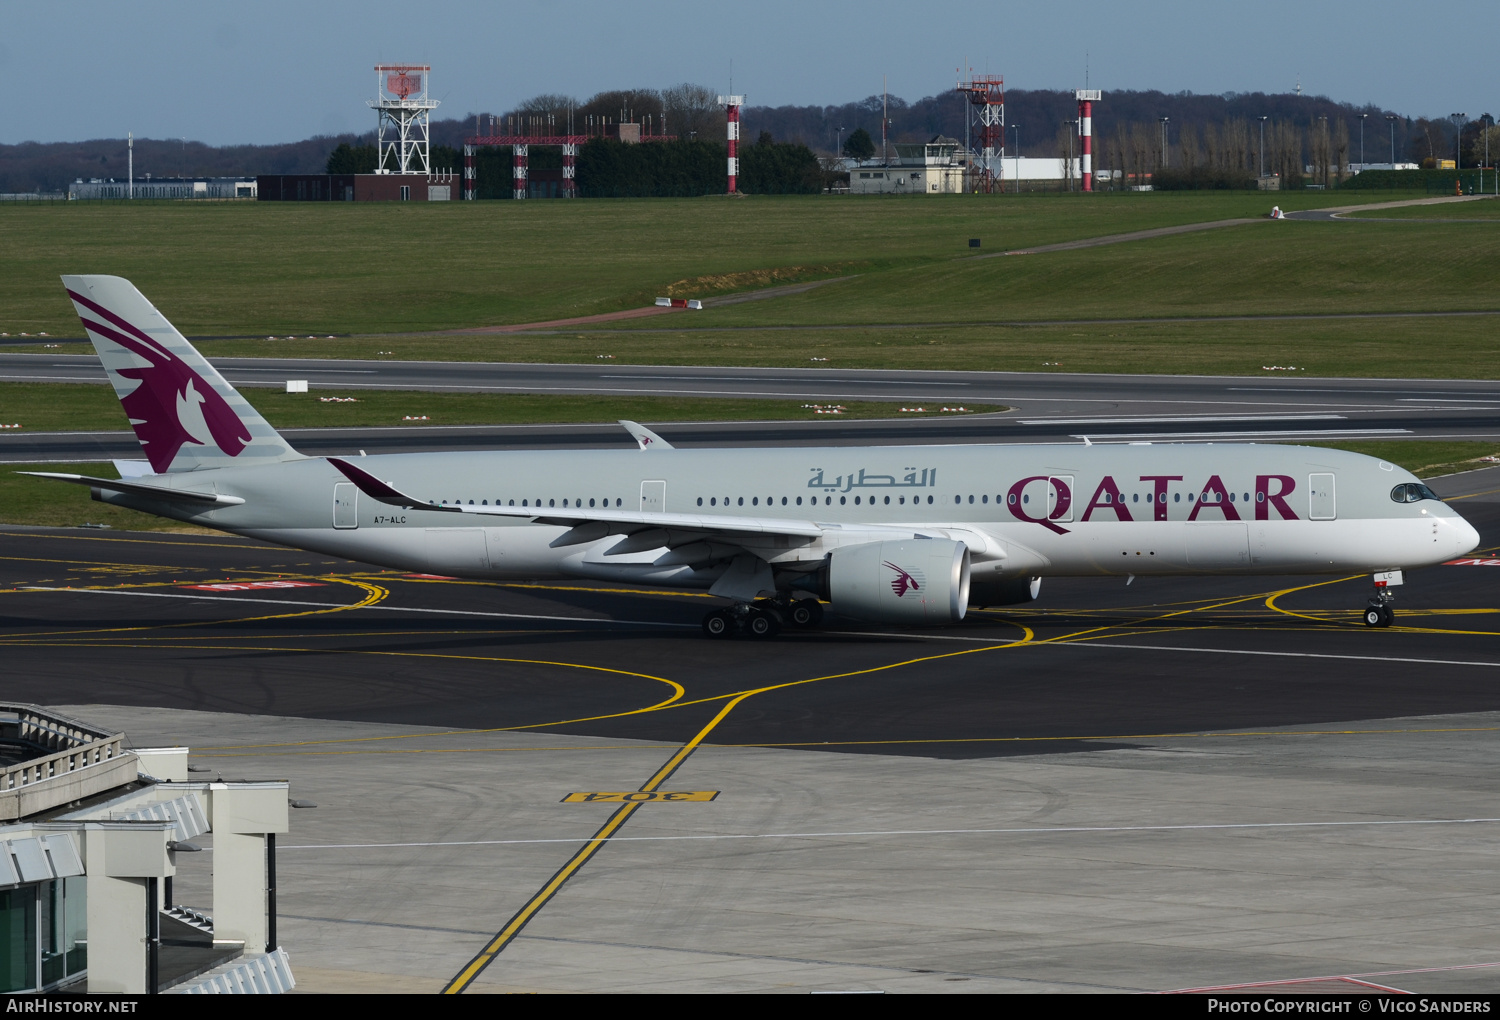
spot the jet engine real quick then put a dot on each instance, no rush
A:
(1003, 591)
(913, 581)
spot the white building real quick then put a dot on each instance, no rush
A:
(92, 834)
(931, 168)
(163, 187)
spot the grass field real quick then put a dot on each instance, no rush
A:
(1415, 347)
(36, 501)
(274, 268)
(65, 407)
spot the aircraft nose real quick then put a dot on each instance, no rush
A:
(1465, 536)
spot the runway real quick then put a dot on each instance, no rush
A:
(1047, 407)
(840, 763)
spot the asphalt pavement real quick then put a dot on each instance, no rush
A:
(1051, 407)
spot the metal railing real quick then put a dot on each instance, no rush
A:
(64, 745)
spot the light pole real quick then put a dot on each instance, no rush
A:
(1323, 151)
(1458, 139)
(1018, 158)
(1486, 122)
(1073, 132)
(1362, 118)
(1390, 119)
(838, 144)
(1263, 146)
(1164, 141)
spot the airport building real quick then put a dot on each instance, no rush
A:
(162, 187)
(435, 187)
(941, 166)
(92, 835)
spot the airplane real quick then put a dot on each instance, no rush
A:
(905, 535)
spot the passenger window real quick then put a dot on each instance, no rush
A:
(856, 501)
(887, 501)
(783, 501)
(1176, 497)
(799, 500)
(742, 501)
(755, 501)
(971, 499)
(700, 500)
(843, 500)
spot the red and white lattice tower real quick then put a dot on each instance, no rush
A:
(732, 106)
(987, 107)
(402, 109)
(1086, 100)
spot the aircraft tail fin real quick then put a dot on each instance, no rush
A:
(185, 415)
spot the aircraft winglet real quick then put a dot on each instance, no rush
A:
(645, 438)
(380, 491)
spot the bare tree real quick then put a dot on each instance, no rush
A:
(1065, 149)
(693, 111)
(1341, 150)
(1213, 148)
(1189, 154)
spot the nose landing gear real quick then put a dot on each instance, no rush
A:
(1380, 611)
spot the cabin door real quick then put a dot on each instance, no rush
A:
(1320, 494)
(345, 505)
(654, 497)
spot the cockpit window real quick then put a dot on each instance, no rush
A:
(1412, 492)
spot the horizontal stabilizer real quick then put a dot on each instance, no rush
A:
(139, 489)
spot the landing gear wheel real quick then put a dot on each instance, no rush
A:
(718, 624)
(761, 624)
(1379, 616)
(805, 613)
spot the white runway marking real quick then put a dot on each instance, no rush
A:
(388, 609)
(1052, 830)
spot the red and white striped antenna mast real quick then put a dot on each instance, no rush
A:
(1086, 100)
(402, 110)
(732, 106)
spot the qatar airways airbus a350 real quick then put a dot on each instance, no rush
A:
(910, 535)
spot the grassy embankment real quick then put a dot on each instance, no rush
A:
(915, 300)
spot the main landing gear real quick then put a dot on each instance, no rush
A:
(763, 619)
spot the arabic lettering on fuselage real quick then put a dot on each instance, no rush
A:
(867, 480)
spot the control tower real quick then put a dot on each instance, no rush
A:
(403, 109)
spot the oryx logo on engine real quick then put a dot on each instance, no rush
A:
(905, 580)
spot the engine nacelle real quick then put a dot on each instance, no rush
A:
(918, 581)
(1003, 591)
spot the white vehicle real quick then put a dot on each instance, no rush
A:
(911, 535)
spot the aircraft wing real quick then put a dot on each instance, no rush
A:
(627, 520)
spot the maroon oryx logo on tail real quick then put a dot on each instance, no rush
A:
(173, 406)
(903, 582)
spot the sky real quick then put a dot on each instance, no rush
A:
(282, 70)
